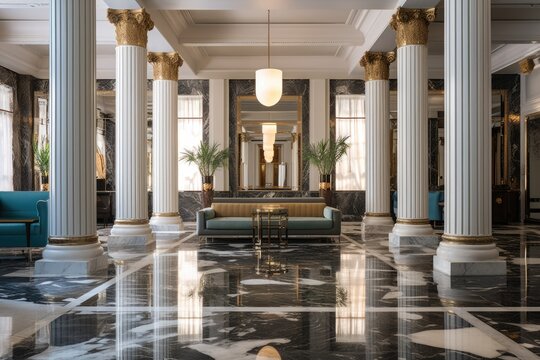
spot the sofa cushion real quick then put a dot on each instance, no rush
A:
(309, 223)
(18, 229)
(245, 209)
(229, 223)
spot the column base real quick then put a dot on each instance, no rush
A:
(79, 260)
(377, 224)
(397, 240)
(166, 223)
(468, 260)
(454, 290)
(130, 246)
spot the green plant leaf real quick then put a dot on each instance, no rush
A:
(207, 157)
(325, 154)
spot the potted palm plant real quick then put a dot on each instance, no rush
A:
(208, 158)
(324, 155)
(41, 160)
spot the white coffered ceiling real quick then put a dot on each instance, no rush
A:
(228, 38)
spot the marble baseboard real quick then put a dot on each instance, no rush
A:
(91, 266)
(130, 247)
(469, 268)
(396, 240)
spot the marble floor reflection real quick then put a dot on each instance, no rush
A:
(315, 299)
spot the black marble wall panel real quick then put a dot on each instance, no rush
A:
(23, 99)
(511, 84)
(247, 87)
(433, 147)
(110, 160)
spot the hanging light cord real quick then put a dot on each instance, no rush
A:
(268, 38)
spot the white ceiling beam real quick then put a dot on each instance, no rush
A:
(373, 23)
(510, 54)
(280, 34)
(502, 31)
(21, 60)
(272, 5)
(36, 32)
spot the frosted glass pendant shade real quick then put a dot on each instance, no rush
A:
(269, 156)
(269, 128)
(268, 86)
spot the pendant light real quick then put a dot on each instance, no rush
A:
(268, 82)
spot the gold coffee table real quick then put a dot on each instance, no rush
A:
(270, 223)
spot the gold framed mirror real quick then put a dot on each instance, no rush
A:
(283, 171)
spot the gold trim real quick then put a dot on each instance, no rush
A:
(207, 186)
(372, 214)
(73, 240)
(526, 66)
(165, 214)
(463, 239)
(325, 186)
(411, 25)
(131, 221)
(165, 65)
(412, 221)
(377, 64)
(132, 26)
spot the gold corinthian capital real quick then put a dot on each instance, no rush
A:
(411, 25)
(165, 65)
(132, 26)
(377, 64)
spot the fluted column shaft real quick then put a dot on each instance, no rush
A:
(72, 203)
(165, 139)
(377, 138)
(73, 135)
(411, 26)
(467, 130)
(131, 121)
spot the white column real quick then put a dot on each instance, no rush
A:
(165, 215)
(467, 247)
(412, 225)
(73, 247)
(131, 124)
(378, 141)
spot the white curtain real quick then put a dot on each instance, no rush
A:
(190, 134)
(6, 138)
(350, 121)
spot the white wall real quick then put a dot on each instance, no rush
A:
(319, 114)
(219, 125)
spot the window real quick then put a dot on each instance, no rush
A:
(6, 138)
(190, 134)
(351, 121)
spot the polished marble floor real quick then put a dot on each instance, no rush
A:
(316, 299)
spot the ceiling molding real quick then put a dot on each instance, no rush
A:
(36, 32)
(23, 61)
(264, 5)
(374, 23)
(509, 54)
(281, 34)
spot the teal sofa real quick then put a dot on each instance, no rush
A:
(24, 204)
(232, 217)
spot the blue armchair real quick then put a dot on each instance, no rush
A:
(24, 204)
(434, 209)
